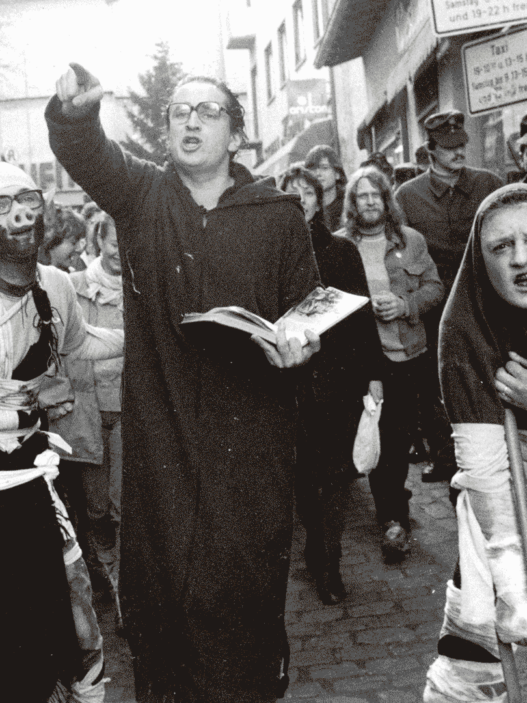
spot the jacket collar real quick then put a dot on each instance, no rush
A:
(439, 187)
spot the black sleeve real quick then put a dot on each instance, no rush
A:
(298, 268)
(111, 176)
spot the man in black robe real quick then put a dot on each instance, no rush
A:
(208, 419)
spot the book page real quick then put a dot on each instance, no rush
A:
(322, 309)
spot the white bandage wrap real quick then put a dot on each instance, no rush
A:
(493, 578)
(84, 691)
(450, 680)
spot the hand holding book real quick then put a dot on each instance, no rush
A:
(288, 352)
(321, 309)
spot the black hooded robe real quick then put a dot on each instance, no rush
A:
(208, 424)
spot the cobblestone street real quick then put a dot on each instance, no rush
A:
(377, 646)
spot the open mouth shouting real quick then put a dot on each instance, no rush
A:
(191, 143)
(520, 281)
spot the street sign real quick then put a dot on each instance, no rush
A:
(464, 16)
(495, 71)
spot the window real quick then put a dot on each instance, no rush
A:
(282, 54)
(298, 23)
(254, 96)
(318, 23)
(269, 70)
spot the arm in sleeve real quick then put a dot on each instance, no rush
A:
(431, 289)
(298, 268)
(111, 176)
(100, 343)
(83, 341)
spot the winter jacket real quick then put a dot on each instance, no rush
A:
(96, 384)
(414, 278)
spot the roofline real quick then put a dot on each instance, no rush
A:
(350, 28)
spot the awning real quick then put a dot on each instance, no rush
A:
(350, 28)
(318, 132)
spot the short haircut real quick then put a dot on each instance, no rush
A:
(296, 173)
(102, 227)
(324, 151)
(90, 209)
(394, 215)
(69, 225)
(235, 109)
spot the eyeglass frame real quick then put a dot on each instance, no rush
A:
(14, 198)
(194, 108)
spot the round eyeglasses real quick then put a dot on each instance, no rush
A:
(33, 199)
(209, 111)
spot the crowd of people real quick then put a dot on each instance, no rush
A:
(215, 437)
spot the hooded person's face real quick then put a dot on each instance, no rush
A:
(504, 249)
(22, 228)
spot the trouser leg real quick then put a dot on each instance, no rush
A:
(398, 416)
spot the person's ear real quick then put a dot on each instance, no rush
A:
(235, 142)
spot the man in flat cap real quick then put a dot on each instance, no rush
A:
(441, 204)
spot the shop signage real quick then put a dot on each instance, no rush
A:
(463, 16)
(495, 71)
(307, 100)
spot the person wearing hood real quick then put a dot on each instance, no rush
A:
(51, 644)
(209, 414)
(483, 370)
(345, 370)
(91, 474)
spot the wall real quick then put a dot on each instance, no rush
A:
(24, 141)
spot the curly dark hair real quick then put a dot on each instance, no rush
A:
(235, 109)
(299, 172)
(70, 225)
(394, 214)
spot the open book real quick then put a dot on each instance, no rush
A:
(322, 309)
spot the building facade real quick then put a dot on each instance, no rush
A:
(410, 73)
(289, 101)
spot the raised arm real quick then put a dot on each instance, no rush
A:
(111, 176)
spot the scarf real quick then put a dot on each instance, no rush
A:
(103, 287)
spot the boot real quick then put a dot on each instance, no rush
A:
(330, 588)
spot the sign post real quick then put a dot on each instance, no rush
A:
(465, 16)
(495, 71)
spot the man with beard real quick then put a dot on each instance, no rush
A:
(441, 204)
(403, 284)
(50, 638)
(208, 420)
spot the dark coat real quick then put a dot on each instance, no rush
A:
(351, 356)
(208, 424)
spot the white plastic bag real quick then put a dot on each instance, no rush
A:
(367, 445)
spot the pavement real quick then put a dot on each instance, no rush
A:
(376, 646)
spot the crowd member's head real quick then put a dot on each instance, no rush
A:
(447, 140)
(327, 167)
(421, 158)
(404, 172)
(379, 160)
(206, 125)
(21, 216)
(369, 205)
(500, 231)
(92, 215)
(60, 250)
(302, 182)
(107, 242)
(522, 146)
